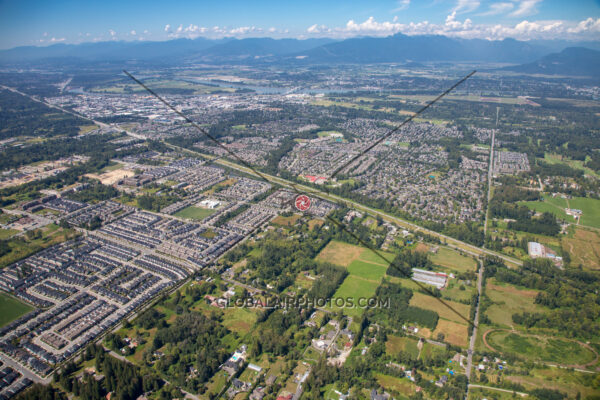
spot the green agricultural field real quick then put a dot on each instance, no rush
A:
(11, 309)
(373, 258)
(367, 271)
(540, 348)
(453, 260)
(192, 212)
(354, 288)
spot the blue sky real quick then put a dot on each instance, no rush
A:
(34, 22)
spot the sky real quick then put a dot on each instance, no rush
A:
(45, 22)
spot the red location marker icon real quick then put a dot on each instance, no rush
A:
(302, 202)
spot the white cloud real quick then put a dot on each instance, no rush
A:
(272, 30)
(452, 26)
(133, 32)
(112, 33)
(402, 5)
(498, 8)
(167, 28)
(465, 6)
(526, 7)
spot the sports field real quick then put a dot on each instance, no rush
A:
(11, 309)
(192, 212)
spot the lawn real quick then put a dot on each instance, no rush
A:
(192, 212)
(509, 300)
(540, 348)
(11, 309)
(354, 288)
(453, 260)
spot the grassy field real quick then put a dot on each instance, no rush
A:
(508, 300)
(354, 287)
(51, 235)
(453, 260)
(431, 303)
(367, 271)
(545, 206)
(576, 164)
(540, 348)
(590, 208)
(488, 394)
(402, 386)
(396, 344)
(340, 253)
(563, 380)
(7, 233)
(286, 221)
(584, 248)
(192, 212)
(11, 309)
(454, 333)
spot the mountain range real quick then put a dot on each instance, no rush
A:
(549, 57)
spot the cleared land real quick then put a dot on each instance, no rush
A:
(286, 221)
(367, 271)
(590, 208)
(193, 212)
(399, 385)
(11, 309)
(112, 177)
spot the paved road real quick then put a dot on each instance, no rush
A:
(451, 242)
(471, 349)
(455, 243)
(490, 173)
(499, 390)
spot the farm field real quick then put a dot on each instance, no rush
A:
(433, 304)
(193, 212)
(354, 288)
(584, 248)
(453, 260)
(454, 333)
(340, 253)
(508, 300)
(540, 348)
(367, 271)
(546, 206)
(11, 309)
